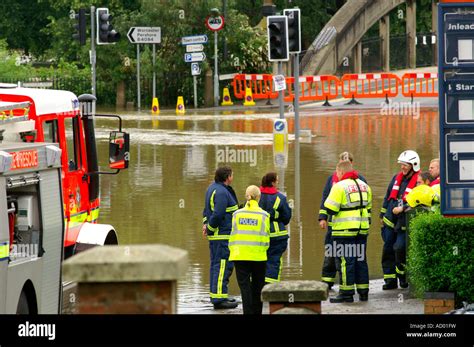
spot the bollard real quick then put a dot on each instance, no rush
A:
(155, 106)
(226, 100)
(137, 279)
(180, 106)
(300, 297)
(248, 101)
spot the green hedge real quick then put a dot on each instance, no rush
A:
(441, 256)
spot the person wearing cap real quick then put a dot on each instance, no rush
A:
(394, 220)
(248, 244)
(329, 271)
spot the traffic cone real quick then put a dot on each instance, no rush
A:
(155, 106)
(226, 98)
(248, 97)
(180, 106)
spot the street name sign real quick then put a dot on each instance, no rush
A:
(144, 35)
(194, 39)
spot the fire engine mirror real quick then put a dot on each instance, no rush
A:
(119, 150)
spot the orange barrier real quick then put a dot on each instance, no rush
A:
(419, 84)
(261, 86)
(350, 86)
(313, 88)
(371, 85)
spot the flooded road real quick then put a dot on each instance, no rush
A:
(160, 198)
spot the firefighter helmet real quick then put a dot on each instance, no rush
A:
(421, 195)
(412, 158)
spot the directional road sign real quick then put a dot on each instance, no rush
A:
(195, 69)
(194, 48)
(195, 39)
(144, 34)
(193, 57)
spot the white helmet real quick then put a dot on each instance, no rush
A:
(410, 157)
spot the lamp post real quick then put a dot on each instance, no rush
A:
(215, 12)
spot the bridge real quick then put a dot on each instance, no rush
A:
(341, 36)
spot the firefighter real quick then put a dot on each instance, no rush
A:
(248, 244)
(349, 203)
(220, 203)
(275, 203)
(329, 263)
(434, 172)
(394, 221)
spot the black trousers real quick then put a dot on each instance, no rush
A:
(251, 279)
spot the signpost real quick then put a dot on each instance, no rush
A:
(145, 35)
(456, 107)
(193, 57)
(215, 23)
(194, 54)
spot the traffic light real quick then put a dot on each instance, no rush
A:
(80, 27)
(105, 31)
(277, 38)
(294, 29)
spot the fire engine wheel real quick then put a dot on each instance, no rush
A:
(23, 306)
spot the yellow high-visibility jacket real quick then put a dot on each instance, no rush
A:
(250, 235)
(350, 200)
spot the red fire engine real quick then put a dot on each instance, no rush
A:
(60, 117)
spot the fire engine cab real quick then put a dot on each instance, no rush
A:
(57, 116)
(31, 220)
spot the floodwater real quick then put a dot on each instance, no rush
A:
(160, 198)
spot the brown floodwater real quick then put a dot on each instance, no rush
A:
(160, 198)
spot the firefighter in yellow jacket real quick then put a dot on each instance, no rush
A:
(349, 202)
(248, 244)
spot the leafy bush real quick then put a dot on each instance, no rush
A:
(440, 257)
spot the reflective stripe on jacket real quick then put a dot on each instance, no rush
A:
(350, 202)
(250, 236)
(219, 205)
(276, 205)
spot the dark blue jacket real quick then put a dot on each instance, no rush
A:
(389, 219)
(276, 205)
(323, 213)
(219, 205)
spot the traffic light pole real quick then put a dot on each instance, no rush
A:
(280, 93)
(93, 53)
(297, 136)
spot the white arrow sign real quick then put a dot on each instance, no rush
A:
(194, 48)
(144, 35)
(192, 57)
(191, 40)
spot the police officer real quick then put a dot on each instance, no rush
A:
(329, 263)
(220, 203)
(394, 220)
(275, 203)
(248, 244)
(349, 203)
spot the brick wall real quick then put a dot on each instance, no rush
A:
(439, 303)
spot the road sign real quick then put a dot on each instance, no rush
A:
(144, 35)
(456, 107)
(192, 57)
(195, 39)
(279, 82)
(195, 69)
(194, 48)
(215, 23)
